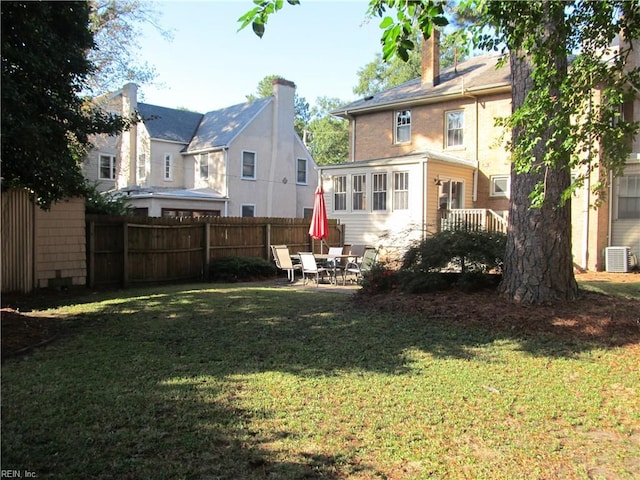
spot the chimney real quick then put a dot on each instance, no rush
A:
(431, 59)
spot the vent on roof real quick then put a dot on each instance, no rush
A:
(368, 97)
(617, 259)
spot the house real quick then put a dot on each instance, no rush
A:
(426, 155)
(244, 160)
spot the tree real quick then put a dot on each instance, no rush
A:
(557, 128)
(554, 125)
(45, 123)
(329, 135)
(115, 25)
(301, 106)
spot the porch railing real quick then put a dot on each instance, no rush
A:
(473, 219)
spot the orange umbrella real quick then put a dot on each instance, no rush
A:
(319, 228)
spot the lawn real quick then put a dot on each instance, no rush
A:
(256, 382)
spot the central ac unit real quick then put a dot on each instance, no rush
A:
(617, 259)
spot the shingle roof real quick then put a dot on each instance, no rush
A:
(472, 74)
(169, 123)
(220, 127)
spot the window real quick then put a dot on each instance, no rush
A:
(204, 166)
(403, 126)
(629, 196)
(500, 186)
(248, 210)
(359, 192)
(107, 170)
(455, 129)
(450, 195)
(249, 165)
(379, 181)
(340, 192)
(142, 167)
(401, 190)
(302, 171)
(168, 166)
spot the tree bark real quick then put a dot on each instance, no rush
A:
(538, 264)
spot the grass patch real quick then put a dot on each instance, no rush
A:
(248, 382)
(627, 290)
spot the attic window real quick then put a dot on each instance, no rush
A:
(403, 126)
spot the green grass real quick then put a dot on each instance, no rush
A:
(628, 290)
(240, 382)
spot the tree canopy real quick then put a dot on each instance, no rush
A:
(46, 124)
(328, 135)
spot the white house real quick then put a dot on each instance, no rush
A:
(244, 160)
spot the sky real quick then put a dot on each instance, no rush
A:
(319, 45)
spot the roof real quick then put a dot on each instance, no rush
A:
(184, 194)
(168, 123)
(474, 74)
(413, 157)
(197, 131)
(220, 127)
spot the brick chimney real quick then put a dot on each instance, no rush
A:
(431, 60)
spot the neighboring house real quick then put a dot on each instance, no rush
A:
(243, 161)
(426, 155)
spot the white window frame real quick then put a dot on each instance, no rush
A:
(339, 193)
(379, 189)
(402, 126)
(500, 193)
(242, 164)
(459, 129)
(141, 170)
(112, 166)
(629, 191)
(167, 167)
(401, 190)
(252, 206)
(359, 192)
(203, 161)
(305, 171)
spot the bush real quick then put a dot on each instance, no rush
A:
(240, 269)
(460, 250)
(379, 280)
(453, 259)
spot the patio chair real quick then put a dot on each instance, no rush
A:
(311, 268)
(335, 265)
(356, 252)
(360, 269)
(282, 259)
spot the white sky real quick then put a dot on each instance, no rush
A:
(319, 45)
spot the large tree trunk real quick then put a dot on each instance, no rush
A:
(538, 261)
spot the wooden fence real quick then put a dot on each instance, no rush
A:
(133, 250)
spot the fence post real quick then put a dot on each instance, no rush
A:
(267, 241)
(207, 253)
(125, 255)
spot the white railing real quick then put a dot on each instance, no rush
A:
(473, 219)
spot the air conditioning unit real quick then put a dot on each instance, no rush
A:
(617, 259)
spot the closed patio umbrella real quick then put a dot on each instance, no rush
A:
(319, 228)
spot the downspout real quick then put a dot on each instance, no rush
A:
(474, 193)
(225, 152)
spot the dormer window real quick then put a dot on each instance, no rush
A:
(403, 126)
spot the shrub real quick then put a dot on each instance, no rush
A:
(239, 269)
(453, 258)
(379, 280)
(461, 249)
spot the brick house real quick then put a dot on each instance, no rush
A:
(426, 155)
